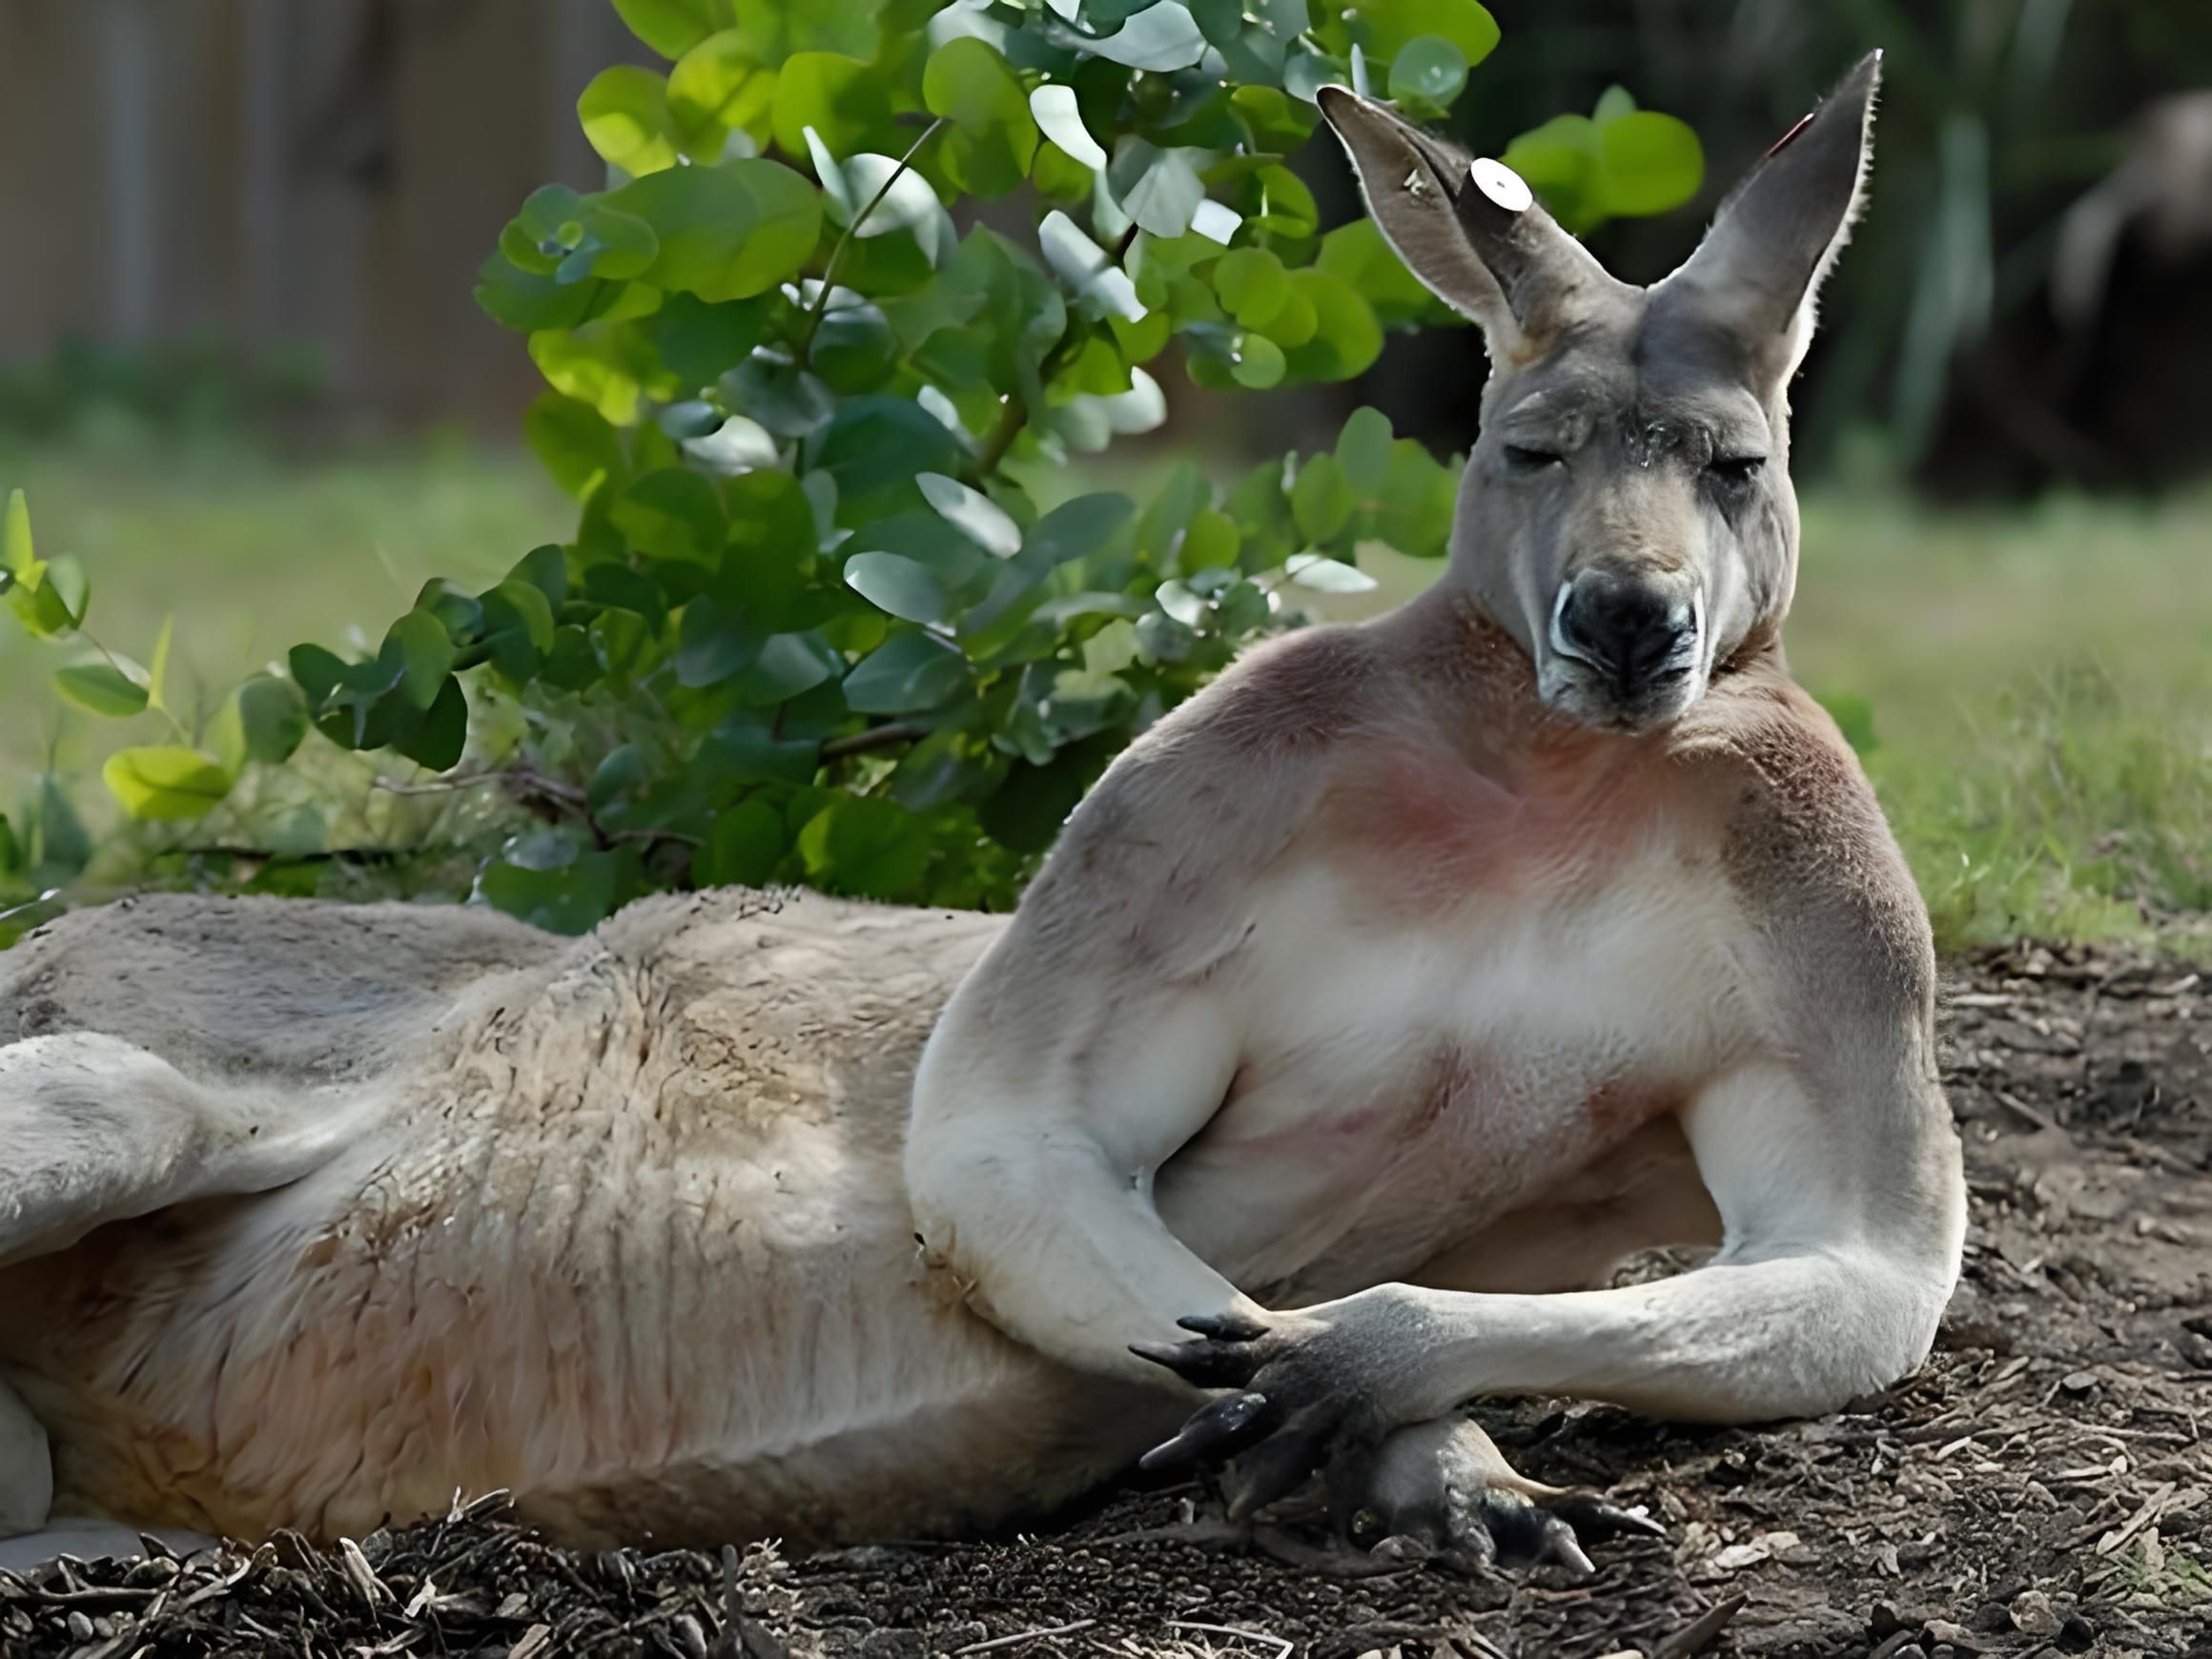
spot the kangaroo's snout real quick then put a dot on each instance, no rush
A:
(1629, 626)
(1626, 644)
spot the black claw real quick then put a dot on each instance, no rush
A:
(1277, 1467)
(1517, 1530)
(1210, 1432)
(1593, 1515)
(1228, 1328)
(1208, 1364)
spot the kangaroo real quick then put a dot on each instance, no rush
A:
(1373, 1006)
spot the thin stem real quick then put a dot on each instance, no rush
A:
(837, 254)
(174, 725)
(1012, 417)
(874, 737)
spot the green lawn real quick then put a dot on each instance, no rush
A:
(2040, 683)
(250, 557)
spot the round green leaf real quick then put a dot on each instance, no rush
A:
(788, 665)
(714, 640)
(846, 101)
(853, 348)
(166, 784)
(1211, 541)
(671, 27)
(908, 673)
(1428, 70)
(1325, 575)
(272, 715)
(995, 136)
(1077, 527)
(972, 512)
(726, 232)
(1164, 195)
(742, 849)
(1357, 254)
(873, 448)
(574, 442)
(1252, 284)
(897, 585)
(719, 87)
(1321, 499)
(1650, 162)
(773, 30)
(1054, 111)
(1387, 26)
(101, 688)
(1363, 450)
(869, 848)
(437, 739)
(609, 369)
(1560, 162)
(672, 513)
(418, 646)
(1347, 336)
(626, 117)
(1160, 38)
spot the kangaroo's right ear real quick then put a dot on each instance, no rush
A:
(1471, 230)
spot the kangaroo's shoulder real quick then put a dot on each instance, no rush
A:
(1804, 839)
(1157, 855)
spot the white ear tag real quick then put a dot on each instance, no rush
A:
(1502, 185)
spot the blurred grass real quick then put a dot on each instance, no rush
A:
(2041, 687)
(252, 555)
(2039, 682)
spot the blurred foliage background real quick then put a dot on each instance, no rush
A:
(244, 383)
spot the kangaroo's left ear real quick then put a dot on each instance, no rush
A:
(1759, 269)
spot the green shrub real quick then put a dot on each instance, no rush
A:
(810, 628)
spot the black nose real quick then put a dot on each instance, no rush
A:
(1625, 626)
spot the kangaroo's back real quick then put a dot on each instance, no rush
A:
(261, 989)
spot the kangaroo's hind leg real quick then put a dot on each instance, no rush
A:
(95, 1130)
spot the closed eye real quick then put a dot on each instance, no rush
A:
(1522, 458)
(1734, 471)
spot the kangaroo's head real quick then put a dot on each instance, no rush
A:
(1626, 512)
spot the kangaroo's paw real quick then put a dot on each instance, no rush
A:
(1442, 1491)
(1310, 1387)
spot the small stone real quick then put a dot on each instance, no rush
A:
(2076, 1635)
(1993, 1619)
(1909, 1651)
(2033, 1615)
(2078, 1382)
(1944, 1632)
(80, 1627)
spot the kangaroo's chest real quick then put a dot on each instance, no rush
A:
(1449, 1021)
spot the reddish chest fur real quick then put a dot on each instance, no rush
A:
(1418, 826)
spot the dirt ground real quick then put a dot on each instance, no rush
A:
(2043, 1486)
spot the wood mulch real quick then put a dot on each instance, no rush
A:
(2042, 1487)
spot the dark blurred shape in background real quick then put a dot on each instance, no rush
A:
(208, 196)
(278, 175)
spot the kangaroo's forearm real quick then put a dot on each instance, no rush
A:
(1732, 1341)
(1059, 1249)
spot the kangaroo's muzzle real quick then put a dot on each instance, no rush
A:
(1626, 646)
